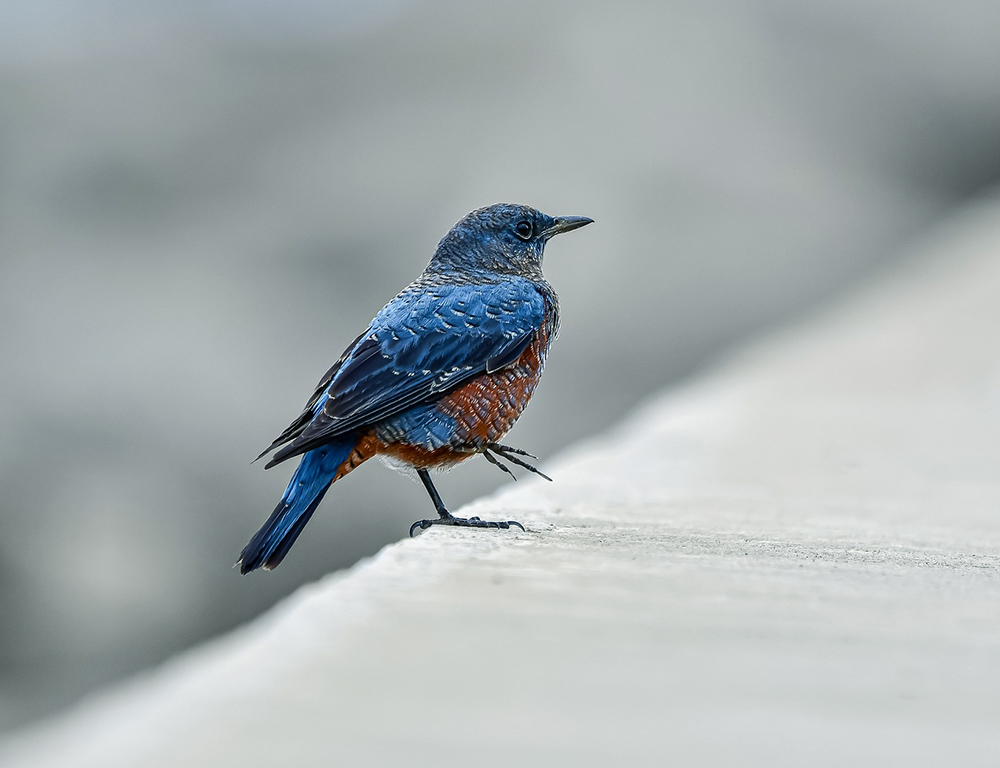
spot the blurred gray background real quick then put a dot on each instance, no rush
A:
(202, 203)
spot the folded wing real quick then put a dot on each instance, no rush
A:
(420, 346)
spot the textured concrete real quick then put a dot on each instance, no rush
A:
(795, 560)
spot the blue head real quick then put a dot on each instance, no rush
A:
(502, 238)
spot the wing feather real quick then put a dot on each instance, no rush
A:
(420, 346)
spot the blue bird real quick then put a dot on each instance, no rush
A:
(440, 375)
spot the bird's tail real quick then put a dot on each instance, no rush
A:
(316, 471)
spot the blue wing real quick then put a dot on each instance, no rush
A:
(421, 345)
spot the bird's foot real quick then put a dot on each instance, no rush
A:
(511, 455)
(471, 522)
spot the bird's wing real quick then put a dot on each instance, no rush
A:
(421, 345)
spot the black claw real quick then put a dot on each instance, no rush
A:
(504, 451)
(446, 518)
(493, 460)
(471, 522)
(508, 449)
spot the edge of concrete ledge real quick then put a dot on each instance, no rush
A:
(793, 559)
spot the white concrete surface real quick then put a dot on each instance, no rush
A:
(792, 561)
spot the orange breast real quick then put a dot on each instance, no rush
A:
(486, 408)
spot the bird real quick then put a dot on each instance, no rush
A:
(440, 375)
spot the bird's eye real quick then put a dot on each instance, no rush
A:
(523, 230)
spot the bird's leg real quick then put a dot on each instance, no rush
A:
(509, 453)
(425, 478)
(446, 518)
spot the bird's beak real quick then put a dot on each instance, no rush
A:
(565, 224)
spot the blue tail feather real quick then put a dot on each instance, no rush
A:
(305, 491)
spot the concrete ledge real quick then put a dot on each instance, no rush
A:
(793, 561)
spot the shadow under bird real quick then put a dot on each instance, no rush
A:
(440, 375)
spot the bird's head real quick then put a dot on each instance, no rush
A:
(503, 238)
